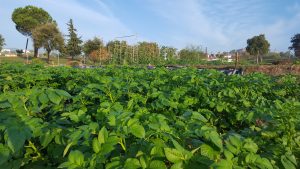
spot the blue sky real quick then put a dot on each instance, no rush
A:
(220, 25)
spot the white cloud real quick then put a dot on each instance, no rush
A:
(225, 25)
(89, 23)
(218, 24)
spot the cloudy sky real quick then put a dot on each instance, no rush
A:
(220, 25)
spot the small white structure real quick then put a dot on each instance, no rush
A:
(211, 57)
(9, 53)
(228, 57)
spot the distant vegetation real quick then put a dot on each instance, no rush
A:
(37, 24)
(2, 42)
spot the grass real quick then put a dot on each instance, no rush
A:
(42, 60)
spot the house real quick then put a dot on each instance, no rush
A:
(228, 57)
(9, 52)
(211, 57)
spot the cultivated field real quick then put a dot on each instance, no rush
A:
(124, 117)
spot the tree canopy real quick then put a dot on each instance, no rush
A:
(258, 46)
(168, 53)
(191, 53)
(28, 18)
(2, 42)
(92, 45)
(74, 42)
(148, 52)
(49, 37)
(296, 45)
(101, 55)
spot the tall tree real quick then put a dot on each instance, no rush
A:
(49, 37)
(28, 18)
(148, 52)
(191, 54)
(168, 53)
(74, 42)
(296, 45)
(100, 55)
(92, 45)
(120, 51)
(258, 46)
(2, 42)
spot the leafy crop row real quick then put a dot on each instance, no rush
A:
(152, 119)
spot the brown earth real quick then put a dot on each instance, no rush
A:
(276, 70)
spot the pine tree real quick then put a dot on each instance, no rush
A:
(74, 42)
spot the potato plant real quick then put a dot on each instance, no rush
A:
(134, 118)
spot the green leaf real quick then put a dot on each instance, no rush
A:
(103, 135)
(223, 164)
(157, 165)
(199, 117)
(107, 148)
(67, 149)
(216, 139)
(228, 155)
(46, 138)
(4, 154)
(220, 108)
(96, 145)
(143, 162)
(111, 120)
(235, 140)
(246, 103)
(291, 157)
(132, 163)
(137, 130)
(173, 155)
(43, 98)
(113, 165)
(251, 158)
(63, 93)
(250, 146)
(177, 166)
(288, 162)
(53, 97)
(264, 162)
(15, 139)
(208, 151)
(178, 146)
(76, 157)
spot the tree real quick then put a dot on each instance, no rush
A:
(28, 18)
(296, 45)
(19, 52)
(148, 52)
(2, 42)
(92, 45)
(258, 46)
(74, 42)
(121, 52)
(100, 55)
(49, 37)
(286, 55)
(168, 53)
(191, 54)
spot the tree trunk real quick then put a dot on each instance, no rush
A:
(36, 52)
(256, 59)
(48, 55)
(261, 59)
